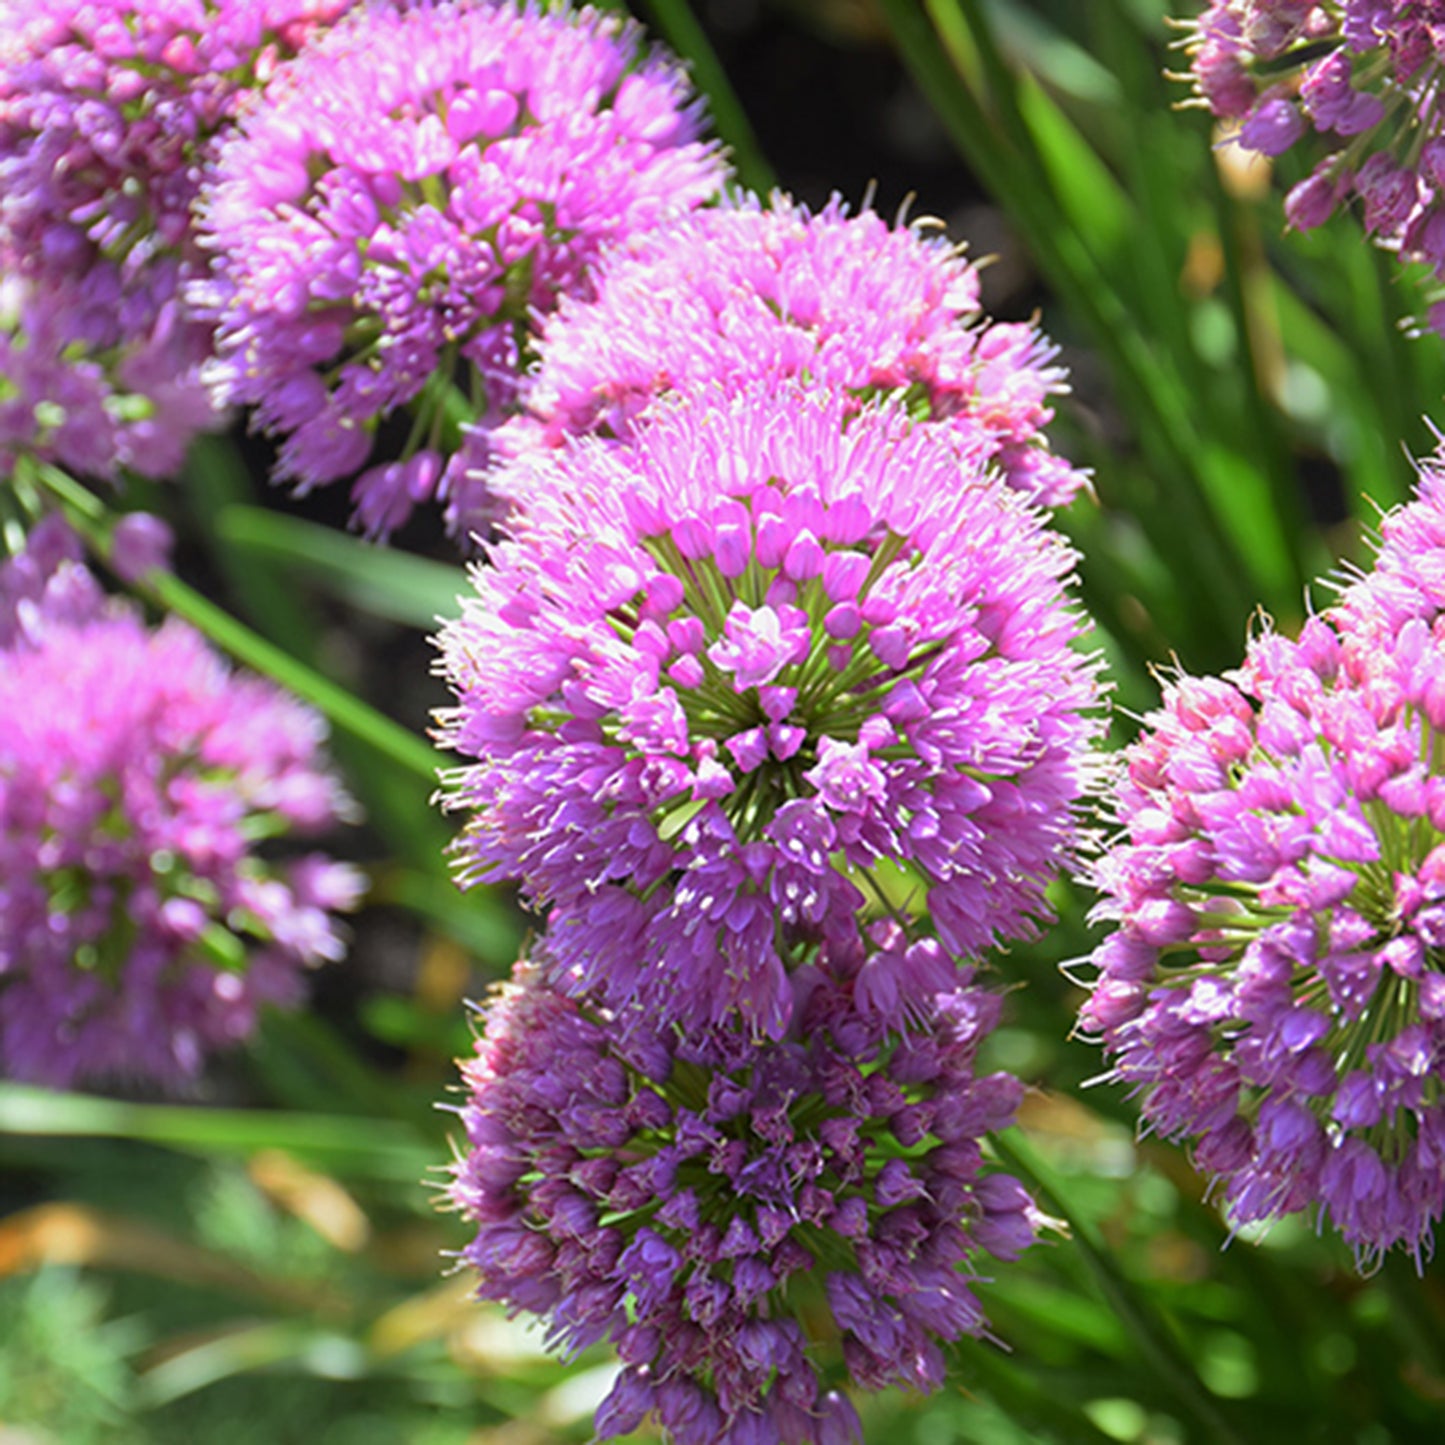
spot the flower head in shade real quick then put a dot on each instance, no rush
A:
(1275, 988)
(407, 198)
(141, 924)
(732, 294)
(1365, 76)
(108, 113)
(774, 659)
(78, 390)
(752, 1226)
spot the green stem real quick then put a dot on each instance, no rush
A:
(374, 1148)
(948, 58)
(1149, 1330)
(679, 27)
(95, 523)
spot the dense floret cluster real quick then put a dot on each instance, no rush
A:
(750, 1225)
(738, 293)
(1365, 76)
(107, 118)
(1275, 989)
(109, 115)
(407, 199)
(140, 927)
(1407, 581)
(78, 390)
(776, 659)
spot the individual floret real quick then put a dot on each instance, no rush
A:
(738, 293)
(408, 198)
(753, 1227)
(777, 659)
(141, 922)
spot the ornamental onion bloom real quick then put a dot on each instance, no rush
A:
(408, 197)
(752, 1226)
(140, 925)
(80, 391)
(108, 114)
(737, 293)
(1363, 74)
(777, 658)
(1275, 989)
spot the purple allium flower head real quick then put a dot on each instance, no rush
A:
(1364, 75)
(107, 116)
(728, 682)
(139, 925)
(408, 198)
(1275, 989)
(751, 1225)
(739, 292)
(78, 390)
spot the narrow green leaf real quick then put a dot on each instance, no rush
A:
(679, 27)
(1083, 186)
(1065, 65)
(366, 1148)
(216, 477)
(1151, 1334)
(342, 707)
(91, 518)
(1245, 501)
(380, 580)
(292, 1344)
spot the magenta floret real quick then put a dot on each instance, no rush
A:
(752, 1226)
(409, 196)
(741, 292)
(1275, 989)
(776, 659)
(139, 926)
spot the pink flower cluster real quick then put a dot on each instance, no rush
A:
(772, 699)
(1365, 76)
(742, 291)
(139, 926)
(719, 677)
(774, 704)
(749, 1225)
(1274, 991)
(109, 115)
(405, 202)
